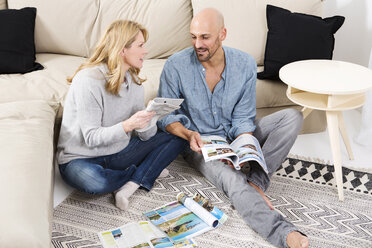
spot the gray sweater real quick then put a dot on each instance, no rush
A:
(92, 117)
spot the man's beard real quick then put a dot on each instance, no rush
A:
(207, 57)
(209, 54)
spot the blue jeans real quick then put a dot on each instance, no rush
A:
(140, 162)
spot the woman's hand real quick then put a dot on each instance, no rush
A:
(139, 120)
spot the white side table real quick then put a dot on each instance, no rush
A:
(331, 86)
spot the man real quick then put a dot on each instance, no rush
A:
(219, 87)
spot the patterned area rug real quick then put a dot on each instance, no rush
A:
(302, 190)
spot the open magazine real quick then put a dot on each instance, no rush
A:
(186, 218)
(162, 107)
(243, 149)
(139, 234)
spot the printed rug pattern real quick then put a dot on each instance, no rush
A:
(303, 190)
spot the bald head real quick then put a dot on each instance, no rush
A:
(209, 18)
(207, 31)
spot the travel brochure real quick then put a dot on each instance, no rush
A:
(186, 218)
(140, 235)
(162, 107)
(243, 149)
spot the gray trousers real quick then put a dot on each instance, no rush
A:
(276, 133)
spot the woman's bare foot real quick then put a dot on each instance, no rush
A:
(263, 195)
(297, 240)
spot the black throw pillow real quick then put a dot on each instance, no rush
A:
(17, 45)
(294, 36)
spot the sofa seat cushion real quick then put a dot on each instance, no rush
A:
(26, 141)
(49, 84)
(268, 93)
(271, 93)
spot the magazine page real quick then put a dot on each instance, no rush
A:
(136, 235)
(194, 207)
(162, 107)
(248, 148)
(216, 147)
(216, 212)
(178, 222)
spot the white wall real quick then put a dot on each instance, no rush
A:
(354, 38)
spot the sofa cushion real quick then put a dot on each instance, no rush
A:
(49, 84)
(315, 122)
(270, 93)
(62, 26)
(151, 70)
(167, 21)
(295, 36)
(3, 4)
(245, 20)
(26, 178)
(17, 47)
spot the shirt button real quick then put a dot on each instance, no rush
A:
(203, 69)
(214, 113)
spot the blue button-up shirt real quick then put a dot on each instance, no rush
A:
(227, 111)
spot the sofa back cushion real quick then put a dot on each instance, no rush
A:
(167, 21)
(73, 27)
(245, 20)
(62, 27)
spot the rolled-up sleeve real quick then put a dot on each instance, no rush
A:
(170, 87)
(244, 113)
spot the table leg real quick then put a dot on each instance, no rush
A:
(306, 111)
(341, 125)
(333, 131)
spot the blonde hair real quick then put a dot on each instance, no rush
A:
(120, 34)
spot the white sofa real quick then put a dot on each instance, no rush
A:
(65, 34)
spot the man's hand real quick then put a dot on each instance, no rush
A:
(195, 141)
(244, 133)
(139, 120)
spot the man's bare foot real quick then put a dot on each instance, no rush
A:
(297, 240)
(263, 195)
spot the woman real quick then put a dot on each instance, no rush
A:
(97, 151)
